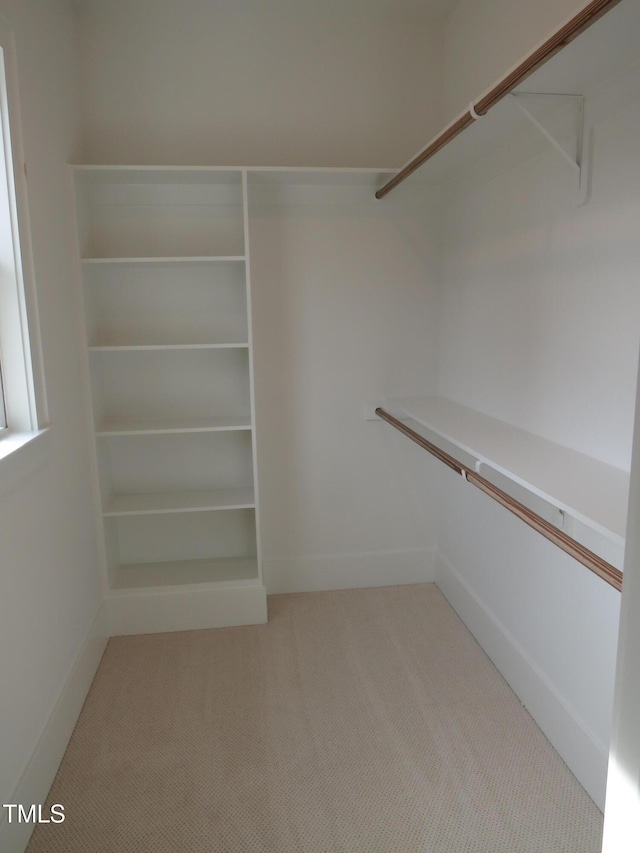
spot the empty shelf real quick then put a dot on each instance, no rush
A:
(139, 347)
(156, 427)
(591, 491)
(171, 502)
(179, 573)
(178, 259)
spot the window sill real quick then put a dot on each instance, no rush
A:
(20, 454)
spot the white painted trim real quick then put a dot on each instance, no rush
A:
(45, 759)
(158, 610)
(349, 571)
(585, 756)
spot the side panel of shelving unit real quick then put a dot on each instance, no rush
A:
(166, 294)
(78, 212)
(245, 205)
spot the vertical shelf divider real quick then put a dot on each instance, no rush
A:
(247, 253)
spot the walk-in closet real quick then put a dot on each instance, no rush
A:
(322, 534)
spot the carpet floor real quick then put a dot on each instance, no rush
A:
(357, 721)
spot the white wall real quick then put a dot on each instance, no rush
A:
(539, 325)
(289, 82)
(50, 590)
(344, 312)
(544, 293)
(483, 40)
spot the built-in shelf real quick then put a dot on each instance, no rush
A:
(212, 259)
(314, 186)
(172, 502)
(148, 306)
(319, 177)
(165, 427)
(591, 491)
(140, 347)
(179, 573)
(172, 385)
(92, 173)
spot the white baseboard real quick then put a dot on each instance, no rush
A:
(349, 571)
(151, 611)
(585, 756)
(45, 759)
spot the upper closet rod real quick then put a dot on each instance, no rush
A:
(578, 24)
(583, 555)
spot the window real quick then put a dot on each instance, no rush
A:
(20, 388)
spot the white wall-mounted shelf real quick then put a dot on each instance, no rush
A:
(591, 491)
(318, 176)
(315, 186)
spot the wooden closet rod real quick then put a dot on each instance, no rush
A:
(578, 24)
(583, 555)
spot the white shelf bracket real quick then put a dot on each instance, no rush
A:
(577, 161)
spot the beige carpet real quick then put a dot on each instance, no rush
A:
(365, 720)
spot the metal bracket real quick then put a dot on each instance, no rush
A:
(577, 160)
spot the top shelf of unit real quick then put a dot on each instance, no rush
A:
(200, 259)
(315, 186)
(591, 491)
(164, 175)
(156, 213)
(318, 177)
(606, 50)
(256, 175)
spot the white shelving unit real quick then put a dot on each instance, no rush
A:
(592, 492)
(166, 290)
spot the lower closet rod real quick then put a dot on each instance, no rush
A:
(583, 555)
